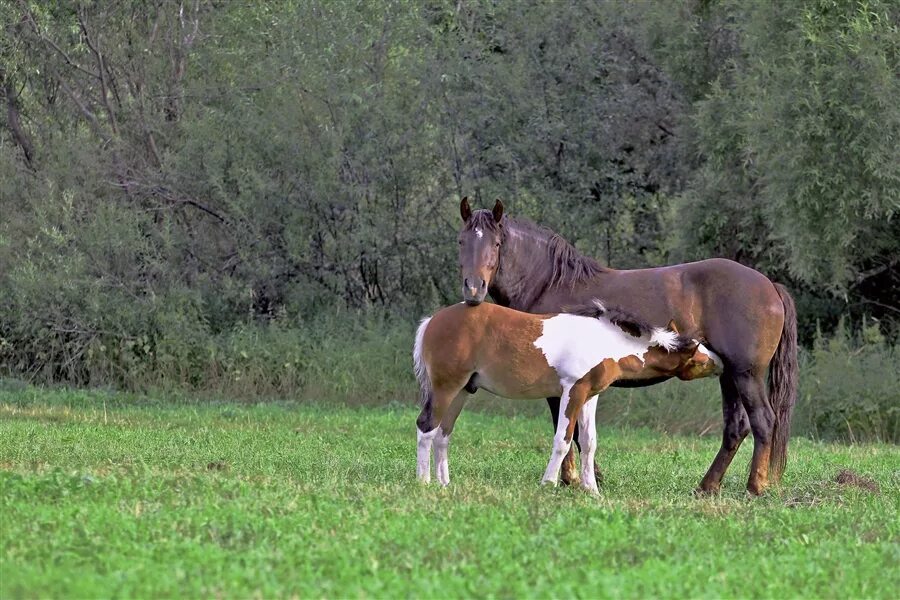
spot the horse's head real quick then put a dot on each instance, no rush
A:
(479, 249)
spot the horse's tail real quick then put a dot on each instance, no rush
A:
(783, 385)
(426, 395)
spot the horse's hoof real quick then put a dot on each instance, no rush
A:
(756, 490)
(702, 492)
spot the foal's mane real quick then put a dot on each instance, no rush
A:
(632, 325)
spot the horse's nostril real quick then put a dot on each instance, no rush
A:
(483, 283)
(466, 282)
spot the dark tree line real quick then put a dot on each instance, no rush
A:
(195, 165)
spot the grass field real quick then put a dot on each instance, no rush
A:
(106, 495)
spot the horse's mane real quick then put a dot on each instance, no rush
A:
(568, 265)
(632, 325)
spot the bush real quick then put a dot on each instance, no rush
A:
(850, 389)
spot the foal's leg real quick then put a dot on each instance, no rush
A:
(573, 398)
(737, 426)
(424, 441)
(428, 424)
(442, 438)
(587, 423)
(569, 474)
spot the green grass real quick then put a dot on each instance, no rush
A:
(145, 498)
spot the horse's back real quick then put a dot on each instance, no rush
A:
(734, 307)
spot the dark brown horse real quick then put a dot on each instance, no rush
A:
(750, 322)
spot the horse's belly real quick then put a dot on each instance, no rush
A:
(508, 387)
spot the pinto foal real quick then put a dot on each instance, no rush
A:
(519, 355)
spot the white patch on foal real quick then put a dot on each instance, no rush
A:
(573, 345)
(720, 366)
(418, 359)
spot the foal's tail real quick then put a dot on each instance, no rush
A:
(783, 384)
(426, 395)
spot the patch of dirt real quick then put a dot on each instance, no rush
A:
(848, 477)
(217, 465)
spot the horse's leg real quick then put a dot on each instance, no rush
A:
(424, 441)
(569, 473)
(442, 438)
(573, 398)
(752, 390)
(428, 424)
(587, 422)
(737, 426)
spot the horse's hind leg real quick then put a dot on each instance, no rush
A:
(428, 424)
(737, 426)
(442, 438)
(752, 389)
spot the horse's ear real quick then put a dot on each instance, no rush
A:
(672, 326)
(465, 211)
(498, 211)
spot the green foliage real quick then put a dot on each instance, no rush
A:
(849, 386)
(796, 121)
(850, 390)
(110, 495)
(177, 183)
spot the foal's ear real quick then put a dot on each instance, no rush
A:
(498, 211)
(672, 326)
(465, 211)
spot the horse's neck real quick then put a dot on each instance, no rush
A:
(524, 271)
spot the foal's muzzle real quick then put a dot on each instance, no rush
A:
(474, 290)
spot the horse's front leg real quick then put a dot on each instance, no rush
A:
(573, 397)
(587, 422)
(569, 471)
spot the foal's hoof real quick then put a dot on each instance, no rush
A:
(593, 490)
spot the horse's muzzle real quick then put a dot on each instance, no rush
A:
(473, 294)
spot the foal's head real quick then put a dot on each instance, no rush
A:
(479, 249)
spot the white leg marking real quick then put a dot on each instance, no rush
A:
(423, 458)
(560, 446)
(587, 424)
(442, 457)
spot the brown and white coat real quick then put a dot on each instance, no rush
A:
(519, 355)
